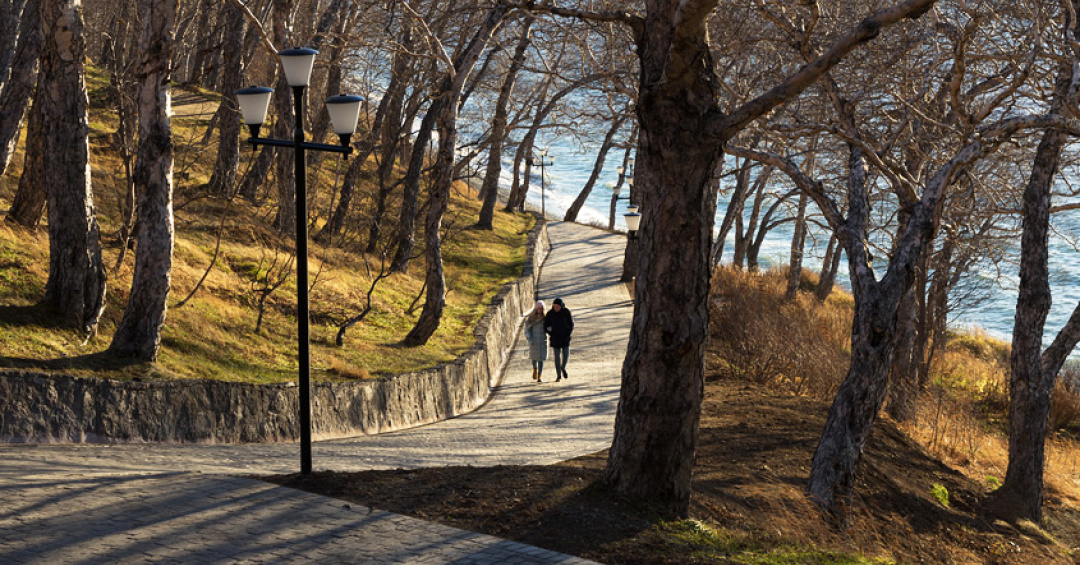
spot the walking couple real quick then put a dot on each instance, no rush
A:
(559, 324)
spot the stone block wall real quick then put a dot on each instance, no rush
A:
(40, 408)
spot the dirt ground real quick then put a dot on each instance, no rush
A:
(748, 504)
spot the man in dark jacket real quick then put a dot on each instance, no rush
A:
(559, 324)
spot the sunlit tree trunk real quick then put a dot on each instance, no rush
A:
(489, 191)
(76, 284)
(18, 90)
(446, 121)
(29, 203)
(598, 166)
(139, 333)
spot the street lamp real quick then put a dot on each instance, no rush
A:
(615, 190)
(344, 110)
(542, 159)
(463, 154)
(633, 221)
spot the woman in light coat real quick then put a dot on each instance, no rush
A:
(537, 338)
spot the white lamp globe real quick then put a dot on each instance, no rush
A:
(298, 63)
(344, 110)
(633, 221)
(254, 101)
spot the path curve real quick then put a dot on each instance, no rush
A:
(154, 503)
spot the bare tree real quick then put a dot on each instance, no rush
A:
(446, 121)
(682, 131)
(139, 333)
(17, 91)
(489, 191)
(76, 284)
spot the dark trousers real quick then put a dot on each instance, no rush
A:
(561, 354)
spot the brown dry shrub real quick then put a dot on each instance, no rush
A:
(800, 345)
(1065, 401)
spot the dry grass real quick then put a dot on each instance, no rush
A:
(213, 336)
(801, 347)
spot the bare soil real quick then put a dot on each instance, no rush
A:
(748, 504)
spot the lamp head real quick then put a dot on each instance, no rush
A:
(633, 221)
(254, 101)
(344, 110)
(298, 63)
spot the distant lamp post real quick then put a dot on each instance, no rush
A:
(344, 111)
(542, 159)
(633, 221)
(615, 198)
(463, 154)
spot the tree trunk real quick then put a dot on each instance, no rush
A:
(598, 166)
(681, 133)
(903, 374)
(19, 88)
(139, 334)
(734, 211)
(656, 424)
(29, 202)
(489, 191)
(76, 284)
(829, 267)
(223, 178)
(348, 183)
(12, 18)
(390, 128)
(446, 120)
(798, 242)
(410, 200)
(903, 392)
(1032, 377)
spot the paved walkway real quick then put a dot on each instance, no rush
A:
(177, 503)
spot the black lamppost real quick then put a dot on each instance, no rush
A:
(463, 153)
(633, 221)
(344, 111)
(542, 159)
(616, 189)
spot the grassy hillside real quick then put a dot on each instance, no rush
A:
(213, 335)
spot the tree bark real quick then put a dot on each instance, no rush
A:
(76, 284)
(11, 20)
(829, 267)
(17, 91)
(139, 334)
(410, 200)
(903, 374)
(29, 203)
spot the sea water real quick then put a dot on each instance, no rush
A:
(990, 305)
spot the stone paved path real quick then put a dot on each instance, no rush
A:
(176, 503)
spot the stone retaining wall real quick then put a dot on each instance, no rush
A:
(39, 408)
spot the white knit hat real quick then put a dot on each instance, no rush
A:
(540, 303)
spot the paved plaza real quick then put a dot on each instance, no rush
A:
(150, 503)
